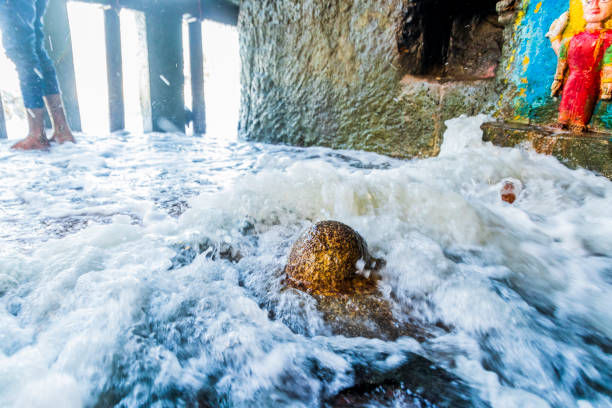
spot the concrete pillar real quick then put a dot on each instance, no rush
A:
(166, 79)
(3, 134)
(144, 91)
(116, 108)
(59, 45)
(197, 77)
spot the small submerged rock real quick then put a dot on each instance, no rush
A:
(511, 188)
(186, 253)
(416, 383)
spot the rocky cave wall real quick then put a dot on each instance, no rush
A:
(378, 75)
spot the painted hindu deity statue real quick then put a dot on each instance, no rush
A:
(584, 67)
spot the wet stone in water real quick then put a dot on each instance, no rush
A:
(417, 383)
(324, 263)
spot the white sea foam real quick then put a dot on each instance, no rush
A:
(94, 307)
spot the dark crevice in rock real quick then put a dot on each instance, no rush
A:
(448, 39)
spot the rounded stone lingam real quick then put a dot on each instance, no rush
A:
(326, 259)
(331, 262)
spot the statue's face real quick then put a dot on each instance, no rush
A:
(597, 11)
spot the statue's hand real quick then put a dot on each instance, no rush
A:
(558, 26)
(556, 86)
(606, 91)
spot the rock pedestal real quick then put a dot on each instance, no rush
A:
(330, 261)
(592, 151)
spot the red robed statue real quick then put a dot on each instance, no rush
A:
(584, 68)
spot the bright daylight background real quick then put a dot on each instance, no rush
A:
(221, 65)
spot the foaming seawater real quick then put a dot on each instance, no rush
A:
(146, 270)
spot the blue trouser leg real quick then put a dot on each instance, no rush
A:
(23, 39)
(50, 84)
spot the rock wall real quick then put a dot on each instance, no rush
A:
(354, 74)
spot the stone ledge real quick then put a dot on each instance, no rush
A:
(590, 150)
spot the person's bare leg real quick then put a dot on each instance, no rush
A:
(61, 129)
(36, 138)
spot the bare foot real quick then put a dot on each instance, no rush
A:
(32, 143)
(63, 137)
